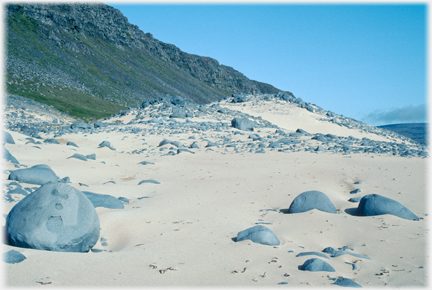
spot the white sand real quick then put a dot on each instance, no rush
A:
(187, 223)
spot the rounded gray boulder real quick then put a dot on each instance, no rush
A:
(13, 257)
(55, 217)
(315, 265)
(259, 234)
(103, 200)
(374, 204)
(243, 124)
(309, 200)
(38, 174)
(346, 282)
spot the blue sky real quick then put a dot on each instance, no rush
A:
(367, 62)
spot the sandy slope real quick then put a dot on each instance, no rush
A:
(290, 117)
(181, 233)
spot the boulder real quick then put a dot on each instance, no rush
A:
(178, 113)
(274, 145)
(103, 200)
(315, 265)
(346, 282)
(38, 174)
(259, 234)
(70, 143)
(106, 144)
(7, 138)
(184, 150)
(51, 141)
(355, 199)
(374, 204)
(211, 144)
(194, 145)
(124, 200)
(91, 156)
(148, 181)
(320, 149)
(78, 156)
(9, 157)
(341, 252)
(178, 101)
(178, 144)
(243, 124)
(311, 200)
(312, 253)
(238, 98)
(99, 124)
(13, 257)
(55, 217)
(81, 125)
(145, 162)
(145, 104)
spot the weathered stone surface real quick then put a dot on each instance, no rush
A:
(13, 257)
(103, 200)
(38, 174)
(311, 200)
(259, 234)
(315, 265)
(8, 138)
(374, 204)
(55, 217)
(346, 282)
(243, 124)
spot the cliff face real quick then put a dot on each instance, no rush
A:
(88, 59)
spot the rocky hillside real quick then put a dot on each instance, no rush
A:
(88, 60)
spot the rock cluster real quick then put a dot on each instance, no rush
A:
(158, 117)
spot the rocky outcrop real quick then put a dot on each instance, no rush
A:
(92, 51)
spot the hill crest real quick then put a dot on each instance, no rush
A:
(89, 60)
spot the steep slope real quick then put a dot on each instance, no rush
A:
(88, 60)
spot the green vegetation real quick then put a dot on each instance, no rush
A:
(78, 104)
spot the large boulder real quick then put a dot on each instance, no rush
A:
(374, 204)
(259, 234)
(309, 200)
(243, 124)
(38, 174)
(55, 217)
